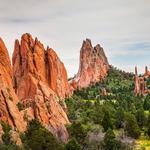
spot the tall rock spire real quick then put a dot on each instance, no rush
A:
(136, 72)
(146, 70)
(40, 81)
(8, 100)
(93, 65)
(140, 83)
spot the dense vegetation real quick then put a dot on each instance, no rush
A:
(118, 115)
(35, 138)
(116, 120)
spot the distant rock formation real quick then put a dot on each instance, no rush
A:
(40, 82)
(93, 65)
(140, 82)
(8, 100)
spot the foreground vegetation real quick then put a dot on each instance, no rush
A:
(116, 120)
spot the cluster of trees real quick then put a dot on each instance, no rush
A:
(8, 144)
(118, 110)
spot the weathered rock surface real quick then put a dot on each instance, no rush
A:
(31, 57)
(8, 100)
(93, 65)
(15, 137)
(1, 133)
(40, 81)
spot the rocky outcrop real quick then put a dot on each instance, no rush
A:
(8, 100)
(147, 72)
(140, 82)
(40, 81)
(103, 92)
(31, 57)
(93, 65)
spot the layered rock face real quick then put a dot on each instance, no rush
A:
(40, 81)
(31, 57)
(93, 65)
(141, 82)
(8, 100)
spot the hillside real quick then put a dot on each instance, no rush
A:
(110, 104)
(100, 108)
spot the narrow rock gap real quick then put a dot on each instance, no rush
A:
(47, 66)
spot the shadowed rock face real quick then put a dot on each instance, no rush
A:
(40, 81)
(93, 65)
(8, 100)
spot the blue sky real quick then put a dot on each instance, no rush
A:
(121, 27)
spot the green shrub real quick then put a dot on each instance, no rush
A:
(106, 122)
(131, 126)
(20, 106)
(72, 145)
(39, 138)
(78, 131)
(10, 98)
(110, 142)
(6, 136)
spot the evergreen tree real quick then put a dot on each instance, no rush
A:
(131, 126)
(119, 118)
(140, 116)
(146, 104)
(73, 145)
(8, 144)
(6, 136)
(110, 142)
(106, 122)
(77, 131)
(39, 138)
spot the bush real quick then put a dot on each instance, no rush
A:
(140, 116)
(9, 147)
(39, 138)
(20, 106)
(73, 145)
(78, 131)
(6, 136)
(131, 126)
(106, 122)
(8, 144)
(119, 118)
(10, 98)
(110, 142)
(146, 104)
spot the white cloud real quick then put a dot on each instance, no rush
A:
(63, 24)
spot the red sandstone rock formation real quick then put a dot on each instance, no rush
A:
(93, 65)
(40, 81)
(31, 57)
(147, 73)
(8, 100)
(140, 82)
